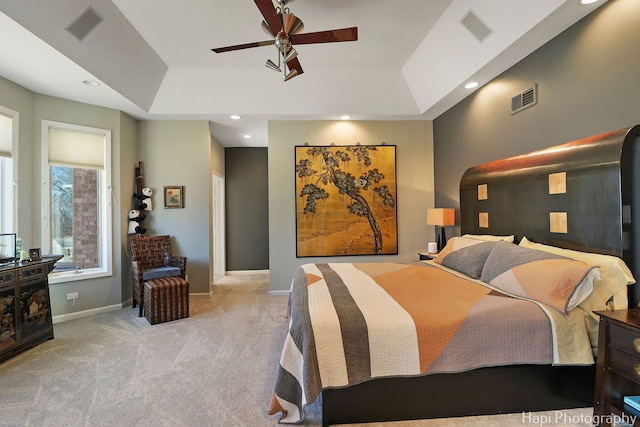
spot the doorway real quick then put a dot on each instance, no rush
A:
(219, 264)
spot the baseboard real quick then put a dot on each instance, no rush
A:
(239, 272)
(115, 307)
(86, 313)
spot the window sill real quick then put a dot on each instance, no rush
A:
(74, 275)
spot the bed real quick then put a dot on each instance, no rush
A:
(476, 331)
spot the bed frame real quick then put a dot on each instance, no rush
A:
(581, 195)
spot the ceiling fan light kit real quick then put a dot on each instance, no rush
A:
(292, 54)
(291, 74)
(273, 66)
(286, 30)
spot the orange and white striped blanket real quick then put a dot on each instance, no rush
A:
(351, 322)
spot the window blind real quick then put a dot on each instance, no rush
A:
(75, 148)
(5, 135)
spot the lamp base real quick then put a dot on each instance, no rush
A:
(441, 239)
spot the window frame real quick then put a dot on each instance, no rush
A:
(105, 207)
(15, 120)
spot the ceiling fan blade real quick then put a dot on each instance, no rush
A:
(294, 64)
(266, 29)
(329, 36)
(292, 24)
(243, 46)
(270, 15)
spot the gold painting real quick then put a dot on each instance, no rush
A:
(346, 200)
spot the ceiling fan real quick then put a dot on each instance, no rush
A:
(286, 29)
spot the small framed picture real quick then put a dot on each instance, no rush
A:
(174, 196)
(34, 254)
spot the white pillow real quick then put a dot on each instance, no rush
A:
(613, 281)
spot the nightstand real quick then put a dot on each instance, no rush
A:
(617, 366)
(426, 256)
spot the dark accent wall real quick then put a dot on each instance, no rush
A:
(246, 209)
(588, 83)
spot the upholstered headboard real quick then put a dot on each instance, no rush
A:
(582, 195)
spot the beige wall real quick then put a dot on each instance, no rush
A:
(32, 109)
(414, 173)
(174, 153)
(23, 101)
(178, 153)
(217, 157)
(125, 158)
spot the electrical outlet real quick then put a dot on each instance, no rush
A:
(72, 296)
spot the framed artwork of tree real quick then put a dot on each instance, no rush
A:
(346, 200)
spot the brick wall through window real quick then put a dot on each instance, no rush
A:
(85, 218)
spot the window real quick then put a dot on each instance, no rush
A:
(77, 217)
(8, 171)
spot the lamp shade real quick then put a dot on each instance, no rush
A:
(441, 216)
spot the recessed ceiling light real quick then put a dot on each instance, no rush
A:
(91, 83)
(586, 2)
(235, 117)
(247, 136)
(471, 85)
(345, 117)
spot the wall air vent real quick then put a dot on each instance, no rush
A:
(83, 24)
(526, 99)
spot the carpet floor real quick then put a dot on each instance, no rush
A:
(215, 368)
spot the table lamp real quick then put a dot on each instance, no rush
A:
(441, 217)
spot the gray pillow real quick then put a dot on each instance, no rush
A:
(466, 255)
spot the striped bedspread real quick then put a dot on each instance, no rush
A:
(351, 322)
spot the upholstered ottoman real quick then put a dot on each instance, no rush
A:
(165, 299)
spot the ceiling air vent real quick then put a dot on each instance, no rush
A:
(525, 99)
(478, 28)
(84, 24)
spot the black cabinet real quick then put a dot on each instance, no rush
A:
(25, 307)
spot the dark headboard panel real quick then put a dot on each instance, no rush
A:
(582, 195)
